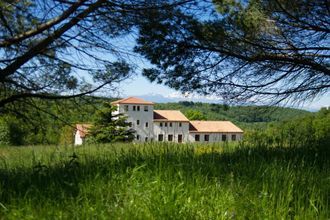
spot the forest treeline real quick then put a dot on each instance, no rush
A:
(54, 122)
(237, 114)
(311, 131)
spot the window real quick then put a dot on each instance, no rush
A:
(165, 124)
(146, 108)
(233, 137)
(137, 122)
(180, 124)
(196, 137)
(206, 137)
(180, 138)
(130, 124)
(138, 108)
(147, 124)
(134, 108)
(137, 137)
(170, 137)
(146, 139)
(161, 124)
(224, 137)
(126, 108)
(170, 124)
(160, 137)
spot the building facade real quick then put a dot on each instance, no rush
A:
(139, 114)
(168, 125)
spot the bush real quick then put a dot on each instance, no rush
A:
(11, 133)
(67, 136)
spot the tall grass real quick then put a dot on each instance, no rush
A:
(164, 181)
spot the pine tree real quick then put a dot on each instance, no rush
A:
(110, 126)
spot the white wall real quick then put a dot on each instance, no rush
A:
(77, 139)
(175, 130)
(215, 137)
(142, 116)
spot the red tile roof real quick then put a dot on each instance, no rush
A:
(169, 115)
(213, 127)
(132, 100)
(83, 129)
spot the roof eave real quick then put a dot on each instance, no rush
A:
(216, 132)
(166, 120)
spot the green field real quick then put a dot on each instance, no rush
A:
(164, 181)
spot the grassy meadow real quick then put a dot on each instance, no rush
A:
(164, 181)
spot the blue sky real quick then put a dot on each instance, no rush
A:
(140, 86)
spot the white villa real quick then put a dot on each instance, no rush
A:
(167, 125)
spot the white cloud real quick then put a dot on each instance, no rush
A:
(192, 96)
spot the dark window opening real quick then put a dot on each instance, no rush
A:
(196, 137)
(207, 137)
(233, 137)
(170, 124)
(160, 137)
(180, 138)
(180, 124)
(147, 124)
(224, 137)
(137, 137)
(134, 108)
(161, 124)
(146, 108)
(137, 122)
(138, 108)
(170, 137)
(165, 124)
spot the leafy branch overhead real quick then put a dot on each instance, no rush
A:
(63, 49)
(241, 50)
(234, 49)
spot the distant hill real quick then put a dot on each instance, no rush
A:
(238, 114)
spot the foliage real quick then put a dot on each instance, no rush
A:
(44, 39)
(52, 122)
(66, 49)
(311, 131)
(4, 133)
(268, 50)
(164, 181)
(195, 115)
(246, 116)
(67, 135)
(11, 133)
(110, 126)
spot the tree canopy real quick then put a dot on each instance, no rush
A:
(195, 115)
(56, 49)
(109, 126)
(241, 50)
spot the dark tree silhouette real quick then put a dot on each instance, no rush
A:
(58, 49)
(241, 50)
